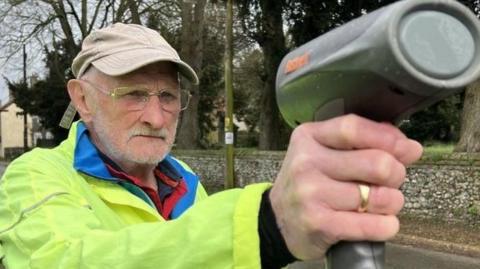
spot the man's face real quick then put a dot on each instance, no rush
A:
(141, 136)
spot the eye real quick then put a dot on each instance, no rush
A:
(167, 96)
(133, 94)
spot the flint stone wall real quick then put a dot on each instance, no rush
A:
(445, 187)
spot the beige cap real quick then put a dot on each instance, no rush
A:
(122, 48)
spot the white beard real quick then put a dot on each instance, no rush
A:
(101, 127)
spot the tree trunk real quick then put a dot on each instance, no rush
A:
(470, 130)
(191, 51)
(132, 5)
(83, 22)
(273, 46)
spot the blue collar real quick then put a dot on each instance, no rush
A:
(87, 159)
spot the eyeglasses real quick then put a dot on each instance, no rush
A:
(135, 98)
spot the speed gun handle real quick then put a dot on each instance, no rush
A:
(358, 255)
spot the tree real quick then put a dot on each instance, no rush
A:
(309, 18)
(191, 49)
(264, 24)
(47, 98)
(248, 85)
(470, 125)
(470, 130)
(439, 122)
(60, 27)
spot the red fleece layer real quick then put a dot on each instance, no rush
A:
(164, 207)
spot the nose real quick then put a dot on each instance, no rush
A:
(153, 114)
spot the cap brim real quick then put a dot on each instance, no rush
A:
(122, 63)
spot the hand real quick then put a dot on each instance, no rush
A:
(315, 197)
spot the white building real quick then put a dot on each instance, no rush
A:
(11, 129)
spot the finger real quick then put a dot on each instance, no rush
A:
(354, 132)
(345, 196)
(352, 226)
(408, 151)
(372, 166)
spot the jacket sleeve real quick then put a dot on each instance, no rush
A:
(45, 223)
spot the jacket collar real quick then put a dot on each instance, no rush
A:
(86, 158)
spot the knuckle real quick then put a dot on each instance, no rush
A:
(314, 218)
(310, 223)
(380, 199)
(389, 140)
(387, 200)
(304, 194)
(336, 232)
(393, 227)
(381, 166)
(384, 229)
(380, 229)
(401, 202)
(399, 175)
(373, 230)
(348, 128)
(301, 163)
(366, 231)
(300, 132)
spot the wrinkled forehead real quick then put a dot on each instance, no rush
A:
(161, 73)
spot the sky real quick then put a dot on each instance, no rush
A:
(3, 93)
(13, 70)
(3, 85)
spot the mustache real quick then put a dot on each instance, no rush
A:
(160, 133)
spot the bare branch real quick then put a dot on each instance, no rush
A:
(95, 15)
(75, 15)
(67, 30)
(105, 17)
(132, 6)
(84, 18)
(120, 11)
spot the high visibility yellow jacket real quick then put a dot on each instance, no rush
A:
(54, 215)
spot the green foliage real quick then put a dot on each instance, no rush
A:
(437, 151)
(47, 98)
(310, 18)
(440, 122)
(249, 76)
(438, 148)
(210, 90)
(263, 22)
(20, 93)
(474, 210)
(473, 5)
(248, 85)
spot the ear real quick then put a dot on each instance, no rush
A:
(81, 99)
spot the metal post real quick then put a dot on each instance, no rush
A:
(229, 148)
(25, 124)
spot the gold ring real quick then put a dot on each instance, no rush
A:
(364, 193)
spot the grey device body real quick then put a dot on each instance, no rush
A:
(384, 66)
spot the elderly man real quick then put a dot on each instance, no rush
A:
(111, 195)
